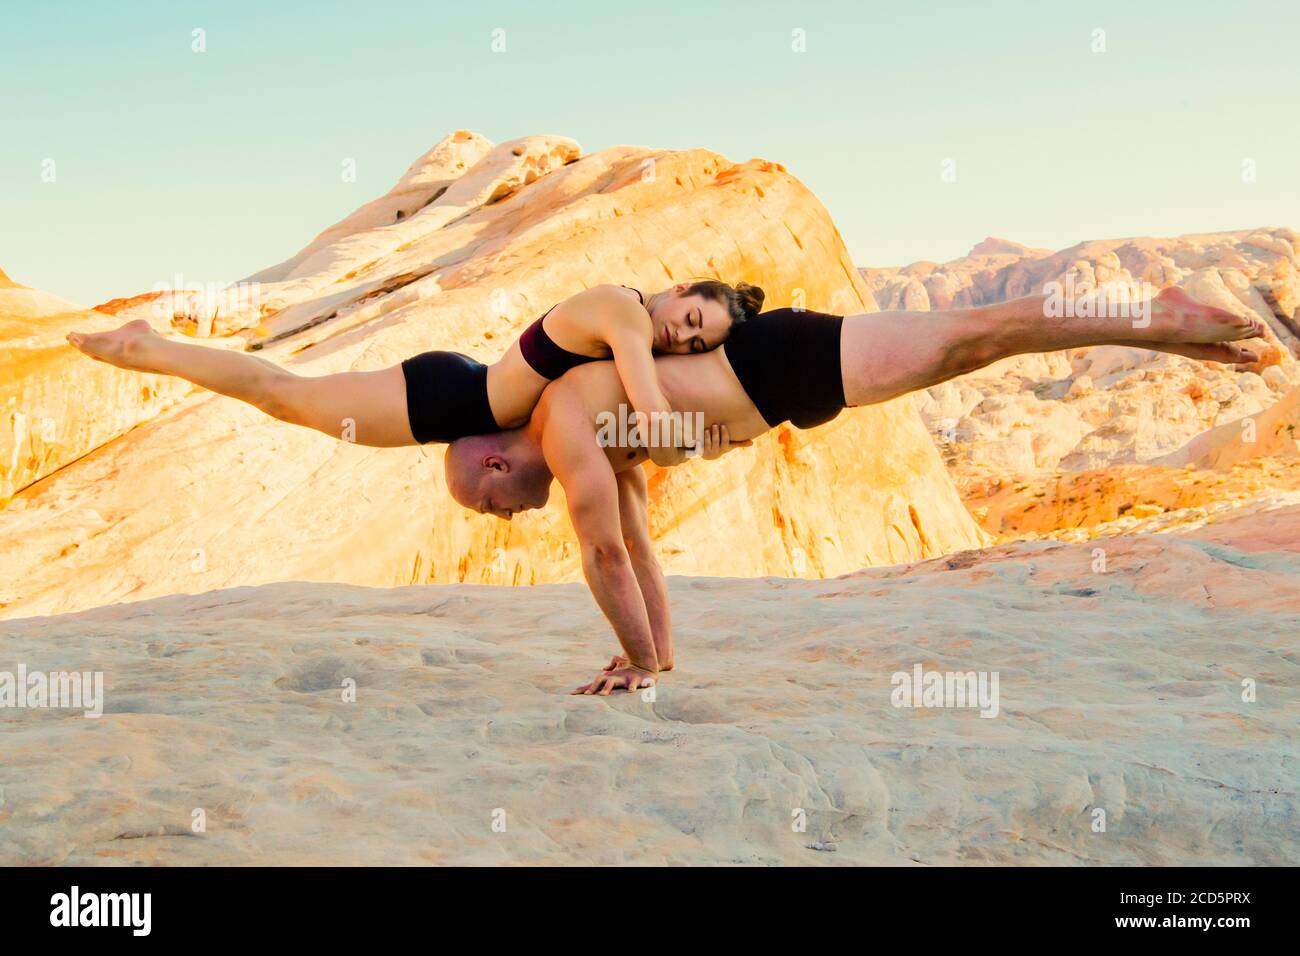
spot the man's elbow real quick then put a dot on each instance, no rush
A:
(605, 552)
(638, 547)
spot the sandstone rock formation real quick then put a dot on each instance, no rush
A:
(1039, 444)
(53, 407)
(1120, 690)
(482, 239)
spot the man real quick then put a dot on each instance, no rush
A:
(802, 367)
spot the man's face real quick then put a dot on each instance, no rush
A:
(487, 483)
(689, 324)
(501, 503)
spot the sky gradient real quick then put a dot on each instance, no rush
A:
(216, 164)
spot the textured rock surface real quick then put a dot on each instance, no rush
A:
(1119, 691)
(213, 494)
(1034, 442)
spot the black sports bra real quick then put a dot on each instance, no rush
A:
(545, 357)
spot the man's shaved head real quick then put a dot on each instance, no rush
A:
(500, 474)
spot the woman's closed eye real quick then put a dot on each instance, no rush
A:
(695, 320)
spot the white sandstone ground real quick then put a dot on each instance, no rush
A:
(1119, 690)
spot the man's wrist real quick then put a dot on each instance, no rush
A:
(653, 672)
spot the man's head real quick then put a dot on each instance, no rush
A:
(698, 316)
(501, 474)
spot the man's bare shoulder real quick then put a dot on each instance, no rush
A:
(576, 409)
(568, 401)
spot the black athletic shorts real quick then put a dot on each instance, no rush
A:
(788, 362)
(447, 397)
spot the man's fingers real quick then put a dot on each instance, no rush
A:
(609, 686)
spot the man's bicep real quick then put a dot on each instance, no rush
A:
(584, 473)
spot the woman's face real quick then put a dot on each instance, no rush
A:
(685, 324)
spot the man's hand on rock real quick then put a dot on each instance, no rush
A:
(620, 675)
(618, 660)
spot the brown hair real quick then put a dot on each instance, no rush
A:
(743, 300)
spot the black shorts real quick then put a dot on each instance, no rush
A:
(788, 363)
(447, 397)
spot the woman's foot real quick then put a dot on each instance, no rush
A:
(126, 346)
(1225, 352)
(1175, 317)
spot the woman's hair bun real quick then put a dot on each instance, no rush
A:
(750, 298)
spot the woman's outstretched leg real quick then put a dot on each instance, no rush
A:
(368, 408)
(887, 354)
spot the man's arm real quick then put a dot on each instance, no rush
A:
(591, 490)
(635, 521)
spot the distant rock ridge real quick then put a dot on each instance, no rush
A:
(992, 246)
(1243, 267)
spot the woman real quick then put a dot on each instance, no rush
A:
(441, 396)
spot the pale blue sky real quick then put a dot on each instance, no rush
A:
(214, 165)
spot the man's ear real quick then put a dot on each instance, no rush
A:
(496, 463)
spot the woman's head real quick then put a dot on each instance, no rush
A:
(698, 316)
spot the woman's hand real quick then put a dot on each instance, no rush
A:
(716, 442)
(625, 676)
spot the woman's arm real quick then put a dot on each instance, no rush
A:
(625, 327)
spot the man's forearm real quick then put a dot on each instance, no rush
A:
(617, 590)
(655, 592)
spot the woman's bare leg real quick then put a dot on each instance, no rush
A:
(368, 408)
(887, 354)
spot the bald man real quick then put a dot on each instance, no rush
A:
(782, 366)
